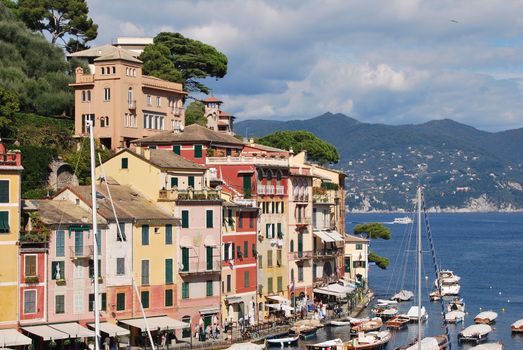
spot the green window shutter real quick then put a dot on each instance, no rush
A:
(267, 230)
(209, 217)
(197, 151)
(99, 241)
(185, 259)
(169, 234)
(245, 249)
(347, 264)
(209, 289)
(300, 242)
(269, 284)
(91, 302)
(247, 186)
(228, 152)
(190, 181)
(209, 257)
(280, 283)
(60, 243)
(168, 297)
(145, 299)
(363, 264)
(4, 221)
(145, 234)
(4, 191)
(185, 219)
(185, 290)
(354, 264)
(246, 279)
(120, 301)
(176, 149)
(104, 301)
(174, 182)
(152, 146)
(125, 163)
(279, 231)
(168, 271)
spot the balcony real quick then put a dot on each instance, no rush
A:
(189, 194)
(322, 195)
(260, 189)
(200, 268)
(245, 202)
(255, 160)
(300, 255)
(81, 252)
(325, 279)
(11, 158)
(132, 104)
(301, 197)
(176, 111)
(327, 253)
(280, 190)
(269, 189)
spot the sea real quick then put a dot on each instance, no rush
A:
(484, 249)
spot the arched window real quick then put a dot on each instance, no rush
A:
(130, 96)
(114, 70)
(103, 70)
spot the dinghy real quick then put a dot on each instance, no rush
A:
(369, 341)
(517, 327)
(476, 333)
(384, 311)
(398, 322)
(456, 304)
(455, 316)
(438, 342)
(283, 341)
(485, 317)
(372, 325)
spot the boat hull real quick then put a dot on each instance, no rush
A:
(517, 329)
(282, 342)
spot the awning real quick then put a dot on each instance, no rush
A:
(234, 300)
(111, 329)
(335, 235)
(46, 333)
(281, 307)
(279, 299)
(324, 236)
(334, 289)
(209, 311)
(11, 337)
(155, 323)
(73, 329)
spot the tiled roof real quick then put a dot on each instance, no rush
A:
(191, 133)
(212, 99)
(101, 51)
(352, 238)
(118, 54)
(167, 159)
(64, 212)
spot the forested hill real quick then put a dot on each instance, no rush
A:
(465, 167)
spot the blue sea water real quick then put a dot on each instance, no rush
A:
(485, 249)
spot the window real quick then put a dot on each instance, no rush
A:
(158, 101)
(359, 246)
(246, 279)
(120, 301)
(149, 100)
(98, 237)
(103, 70)
(29, 301)
(168, 297)
(197, 151)
(240, 219)
(107, 94)
(120, 266)
(168, 271)
(30, 266)
(292, 275)
(185, 290)
(279, 231)
(59, 304)
(114, 70)
(145, 272)
(185, 219)
(251, 219)
(278, 257)
(208, 254)
(145, 234)
(104, 122)
(300, 273)
(209, 288)
(190, 181)
(86, 96)
(91, 268)
(78, 305)
(4, 191)
(185, 259)
(103, 302)
(144, 297)
(4, 222)
(347, 264)
(125, 163)
(269, 258)
(280, 283)
(174, 182)
(209, 214)
(228, 283)
(121, 233)
(186, 332)
(176, 149)
(260, 261)
(60, 243)
(58, 270)
(245, 249)
(269, 285)
(168, 234)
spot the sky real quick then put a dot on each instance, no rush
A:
(392, 62)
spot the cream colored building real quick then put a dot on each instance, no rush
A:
(124, 103)
(356, 258)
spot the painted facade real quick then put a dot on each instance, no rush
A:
(33, 282)
(356, 259)
(217, 120)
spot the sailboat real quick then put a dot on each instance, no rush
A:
(438, 342)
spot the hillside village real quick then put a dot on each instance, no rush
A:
(198, 229)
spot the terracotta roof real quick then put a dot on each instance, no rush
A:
(118, 54)
(53, 212)
(169, 159)
(100, 51)
(212, 99)
(191, 133)
(225, 114)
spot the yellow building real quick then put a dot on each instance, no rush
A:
(356, 259)
(10, 170)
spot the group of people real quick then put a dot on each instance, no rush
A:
(211, 331)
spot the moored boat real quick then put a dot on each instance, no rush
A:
(456, 304)
(485, 317)
(475, 333)
(340, 323)
(335, 344)
(488, 346)
(405, 220)
(517, 327)
(369, 341)
(447, 277)
(415, 315)
(356, 321)
(306, 329)
(371, 325)
(437, 342)
(398, 322)
(455, 316)
(283, 341)
(402, 295)
(384, 311)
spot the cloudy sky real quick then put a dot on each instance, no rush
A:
(393, 61)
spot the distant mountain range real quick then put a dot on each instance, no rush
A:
(463, 168)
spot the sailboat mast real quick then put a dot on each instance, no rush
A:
(95, 238)
(419, 268)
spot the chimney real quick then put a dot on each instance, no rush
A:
(146, 153)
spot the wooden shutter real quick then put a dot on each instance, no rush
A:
(185, 219)
(4, 191)
(209, 218)
(168, 234)
(176, 149)
(197, 151)
(168, 271)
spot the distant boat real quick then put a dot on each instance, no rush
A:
(402, 295)
(398, 322)
(371, 325)
(369, 341)
(455, 316)
(402, 221)
(488, 346)
(476, 333)
(517, 327)
(340, 323)
(456, 304)
(437, 342)
(415, 315)
(485, 317)
(335, 344)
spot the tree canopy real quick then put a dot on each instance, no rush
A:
(374, 230)
(194, 114)
(64, 20)
(179, 59)
(9, 106)
(318, 150)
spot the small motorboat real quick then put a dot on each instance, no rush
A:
(405, 220)
(488, 346)
(373, 324)
(475, 333)
(402, 295)
(435, 295)
(455, 316)
(517, 327)
(340, 323)
(485, 317)
(282, 341)
(369, 341)
(335, 344)
(398, 322)
(415, 315)
(447, 277)
(456, 304)
(384, 311)
(437, 342)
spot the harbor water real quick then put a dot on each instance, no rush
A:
(485, 249)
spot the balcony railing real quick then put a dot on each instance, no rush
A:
(177, 111)
(200, 267)
(80, 252)
(303, 221)
(327, 253)
(300, 255)
(132, 104)
(280, 190)
(283, 162)
(260, 189)
(246, 202)
(301, 197)
(326, 279)
(269, 189)
(176, 195)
